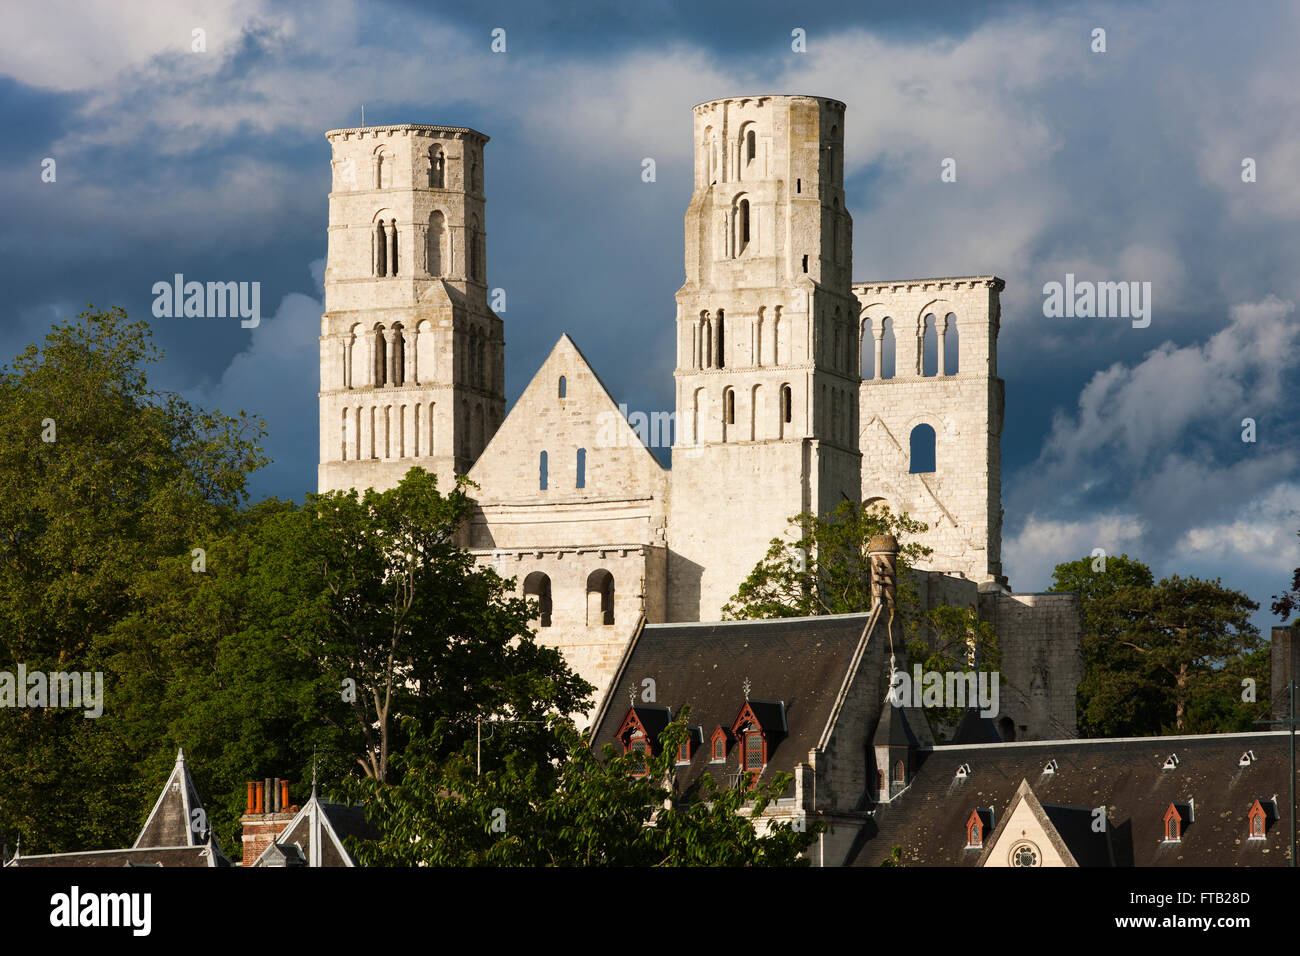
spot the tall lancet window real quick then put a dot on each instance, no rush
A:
(437, 168)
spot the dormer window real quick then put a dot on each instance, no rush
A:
(974, 831)
(686, 749)
(900, 772)
(1246, 759)
(718, 746)
(757, 727)
(638, 738)
(1171, 762)
(1258, 821)
(963, 771)
(1173, 825)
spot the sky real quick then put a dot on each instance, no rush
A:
(1122, 165)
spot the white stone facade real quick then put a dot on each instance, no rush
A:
(779, 408)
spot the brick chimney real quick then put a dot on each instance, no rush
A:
(267, 815)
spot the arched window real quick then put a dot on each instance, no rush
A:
(600, 598)
(787, 401)
(383, 170)
(433, 243)
(564, 386)
(730, 400)
(381, 249)
(951, 345)
(344, 435)
(867, 353)
(380, 372)
(742, 226)
(582, 469)
(900, 773)
(922, 450)
(751, 146)
(929, 347)
(537, 586)
(437, 167)
(392, 247)
(541, 473)
(722, 341)
(887, 348)
(758, 336)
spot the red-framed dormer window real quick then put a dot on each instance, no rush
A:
(718, 746)
(755, 751)
(900, 772)
(1173, 825)
(636, 741)
(1258, 821)
(974, 830)
(684, 750)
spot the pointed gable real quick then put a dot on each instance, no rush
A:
(170, 823)
(314, 837)
(560, 419)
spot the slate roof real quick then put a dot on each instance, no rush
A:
(928, 818)
(795, 667)
(893, 730)
(169, 824)
(167, 838)
(185, 856)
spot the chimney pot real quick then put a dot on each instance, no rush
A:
(284, 796)
(257, 793)
(251, 788)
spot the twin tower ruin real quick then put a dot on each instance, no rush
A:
(796, 388)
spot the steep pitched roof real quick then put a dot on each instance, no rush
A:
(1125, 775)
(167, 838)
(540, 421)
(795, 666)
(893, 729)
(171, 822)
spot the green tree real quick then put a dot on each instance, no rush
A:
(1162, 657)
(584, 810)
(315, 630)
(101, 476)
(827, 569)
(1118, 695)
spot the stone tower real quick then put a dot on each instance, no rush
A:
(412, 359)
(931, 412)
(767, 376)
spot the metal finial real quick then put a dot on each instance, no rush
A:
(746, 686)
(631, 695)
